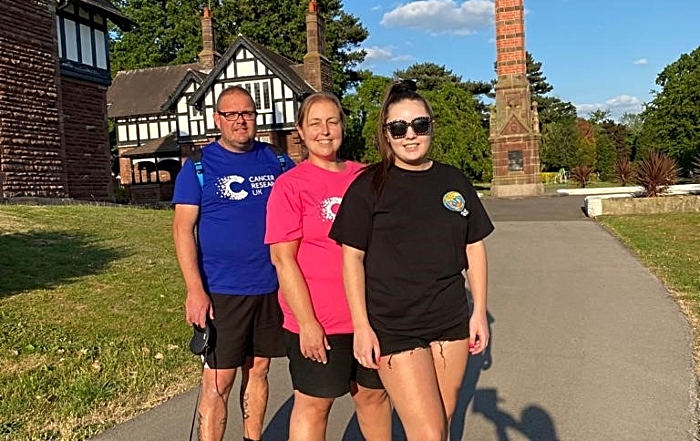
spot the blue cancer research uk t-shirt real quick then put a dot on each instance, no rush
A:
(233, 258)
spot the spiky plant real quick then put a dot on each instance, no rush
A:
(581, 174)
(696, 168)
(624, 171)
(656, 172)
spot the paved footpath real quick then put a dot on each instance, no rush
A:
(586, 346)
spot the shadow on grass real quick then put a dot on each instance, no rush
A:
(40, 260)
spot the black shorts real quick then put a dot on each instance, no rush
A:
(395, 343)
(244, 326)
(330, 380)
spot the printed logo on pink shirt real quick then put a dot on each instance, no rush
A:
(329, 207)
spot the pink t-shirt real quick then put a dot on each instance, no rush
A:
(302, 205)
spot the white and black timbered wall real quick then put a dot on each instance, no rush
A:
(138, 131)
(83, 42)
(190, 121)
(276, 102)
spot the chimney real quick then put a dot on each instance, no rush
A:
(510, 37)
(317, 68)
(208, 57)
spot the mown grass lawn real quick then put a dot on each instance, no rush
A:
(91, 313)
(669, 244)
(91, 318)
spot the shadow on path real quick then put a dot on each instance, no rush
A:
(535, 423)
(278, 428)
(40, 260)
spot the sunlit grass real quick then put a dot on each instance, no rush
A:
(91, 318)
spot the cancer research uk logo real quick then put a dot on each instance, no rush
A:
(233, 187)
(329, 207)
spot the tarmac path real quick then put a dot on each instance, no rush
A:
(587, 345)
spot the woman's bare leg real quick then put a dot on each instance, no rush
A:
(450, 360)
(309, 417)
(373, 409)
(410, 380)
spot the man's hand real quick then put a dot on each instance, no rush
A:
(198, 308)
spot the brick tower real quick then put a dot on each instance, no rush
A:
(317, 67)
(208, 56)
(514, 127)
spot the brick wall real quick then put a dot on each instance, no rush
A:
(510, 37)
(84, 111)
(31, 155)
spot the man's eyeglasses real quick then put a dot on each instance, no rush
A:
(399, 128)
(248, 115)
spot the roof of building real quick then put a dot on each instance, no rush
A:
(192, 75)
(111, 11)
(165, 146)
(144, 91)
(282, 66)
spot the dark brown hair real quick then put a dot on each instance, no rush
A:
(404, 90)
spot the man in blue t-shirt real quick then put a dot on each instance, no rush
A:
(219, 230)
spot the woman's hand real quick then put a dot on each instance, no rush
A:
(366, 348)
(313, 343)
(478, 333)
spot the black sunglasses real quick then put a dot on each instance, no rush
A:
(399, 128)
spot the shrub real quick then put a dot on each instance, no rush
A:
(696, 168)
(581, 174)
(122, 195)
(548, 177)
(624, 171)
(656, 172)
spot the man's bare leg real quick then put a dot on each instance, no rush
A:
(254, 392)
(213, 403)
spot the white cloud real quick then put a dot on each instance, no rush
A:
(624, 101)
(378, 53)
(403, 58)
(376, 8)
(616, 105)
(442, 16)
(386, 53)
(641, 61)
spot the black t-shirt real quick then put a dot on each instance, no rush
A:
(414, 237)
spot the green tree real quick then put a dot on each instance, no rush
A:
(609, 140)
(459, 138)
(363, 113)
(619, 136)
(431, 76)
(538, 82)
(550, 108)
(633, 124)
(168, 32)
(672, 119)
(560, 145)
(606, 156)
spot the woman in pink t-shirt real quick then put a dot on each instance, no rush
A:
(319, 331)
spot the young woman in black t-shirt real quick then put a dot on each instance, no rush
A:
(409, 227)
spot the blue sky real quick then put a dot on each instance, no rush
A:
(596, 53)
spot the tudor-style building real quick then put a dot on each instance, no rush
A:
(54, 74)
(161, 113)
